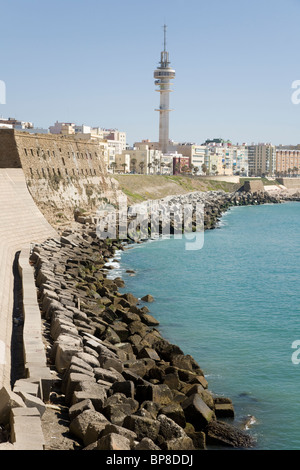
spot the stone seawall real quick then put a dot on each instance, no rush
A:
(62, 172)
(118, 384)
(125, 386)
(290, 183)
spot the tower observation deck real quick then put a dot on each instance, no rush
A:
(163, 76)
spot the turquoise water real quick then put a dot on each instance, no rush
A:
(234, 306)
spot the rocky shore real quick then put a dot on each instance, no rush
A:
(124, 385)
(121, 385)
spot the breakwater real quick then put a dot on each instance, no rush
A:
(124, 385)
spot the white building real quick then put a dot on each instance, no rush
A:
(198, 155)
(143, 160)
(62, 128)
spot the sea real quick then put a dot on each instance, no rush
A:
(234, 305)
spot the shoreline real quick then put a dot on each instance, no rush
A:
(119, 383)
(156, 400)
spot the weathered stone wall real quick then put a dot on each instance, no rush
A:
(9, 156)
(47, 156)
(290, 183)
(253, 186)
(62, 172)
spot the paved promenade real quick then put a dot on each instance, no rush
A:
(21, 223)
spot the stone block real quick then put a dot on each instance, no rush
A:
(89, 390)
(33, 402)
(64, 353)
(8, 400)
(25, 385)
(224, 410)
(73, 380)
(146, 444)
(197, 412)
(126, 387)
(118, 406)
(142, 426)
(114, 442)
(179, 444)
(113, 428)
(108, 362)
(223, 434)
(108, 375)
(79, 425)
(148, 353)
(79, 407)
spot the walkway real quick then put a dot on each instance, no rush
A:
(21, 223)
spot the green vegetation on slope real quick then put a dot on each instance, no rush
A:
(142, 187)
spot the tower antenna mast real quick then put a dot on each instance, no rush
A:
(163, 76)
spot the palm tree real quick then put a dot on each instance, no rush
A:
(141, 165)
(177, 168)
(204, 168)
(133, 163)
(124, 165)
(224, 167)
(113, 166)
(214, 167)
(149, 167)
(169, 165)
(156, 163)
(162, 165)
(185, 169)
(295, 170)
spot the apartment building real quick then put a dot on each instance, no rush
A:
(227, 159)
(287, 162)
(261, 159)
(198, 155)
(143, 160)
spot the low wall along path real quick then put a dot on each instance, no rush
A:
(21, 224)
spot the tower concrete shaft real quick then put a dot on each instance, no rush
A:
(163, 76)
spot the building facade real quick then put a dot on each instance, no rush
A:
(142, 160)
(287, 162)
(261, 159)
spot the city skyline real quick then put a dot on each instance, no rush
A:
(235, 64)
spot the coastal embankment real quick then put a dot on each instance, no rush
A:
(124, 385)
(117, 384)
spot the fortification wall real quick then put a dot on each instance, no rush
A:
(290, 183)
(9, 156)
(62, 172)
(254, 186)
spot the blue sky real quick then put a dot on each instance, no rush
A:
(91, 62)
